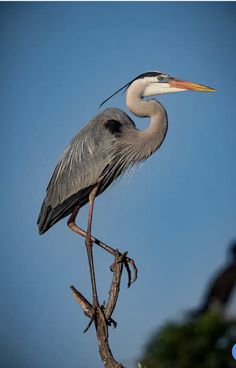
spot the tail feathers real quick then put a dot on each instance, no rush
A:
(42, 221)
(49, 216)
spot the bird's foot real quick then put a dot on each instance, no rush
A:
(127, 262)
(98, 312)
(110, 321)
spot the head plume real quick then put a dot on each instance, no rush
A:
(126, 86)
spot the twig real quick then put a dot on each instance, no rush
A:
(84, 303)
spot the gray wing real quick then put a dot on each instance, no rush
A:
(81, 165)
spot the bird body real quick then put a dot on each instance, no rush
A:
(108, 146)
(99, 153)
(104, 149)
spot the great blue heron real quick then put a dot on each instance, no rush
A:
(103, 150)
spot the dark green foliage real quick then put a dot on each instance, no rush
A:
(205, 342)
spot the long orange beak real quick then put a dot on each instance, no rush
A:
(178, 83)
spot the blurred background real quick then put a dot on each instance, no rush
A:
(204, 337)
(176, 216)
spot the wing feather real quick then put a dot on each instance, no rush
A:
(81, 164)
(91, 155)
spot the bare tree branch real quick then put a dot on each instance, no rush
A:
(102, 318)
(117, 269)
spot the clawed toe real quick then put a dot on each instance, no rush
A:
(110, 321)
(99, 309)
(122, 258)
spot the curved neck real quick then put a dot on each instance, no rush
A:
(152, 137)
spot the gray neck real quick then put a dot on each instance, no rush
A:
(151, 138)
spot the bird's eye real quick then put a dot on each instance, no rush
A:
(160, 78)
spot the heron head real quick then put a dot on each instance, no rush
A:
(156, 83)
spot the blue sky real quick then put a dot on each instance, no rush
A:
(177, 215)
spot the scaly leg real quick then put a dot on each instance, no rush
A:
(74, 227)
(89, 247)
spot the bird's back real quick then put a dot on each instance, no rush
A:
(83, 164)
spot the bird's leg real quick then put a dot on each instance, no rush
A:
(127, 261)
(89, 247)
(96, 309)
(74, 227)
